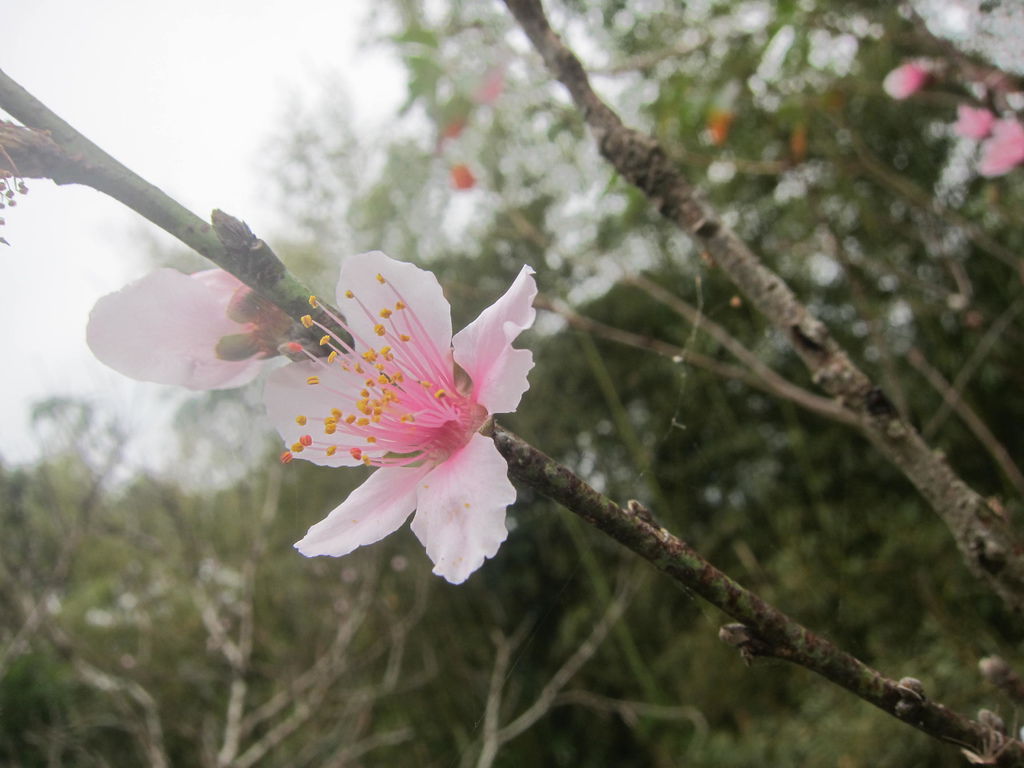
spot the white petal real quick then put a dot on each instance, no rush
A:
(372, 511)
(460, 515)
(165, 328)
(484, 347)
(287, 395)
(418, 288)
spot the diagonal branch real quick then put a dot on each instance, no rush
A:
(970, 417)
(47, 147)
(986, 542)
(764, 629)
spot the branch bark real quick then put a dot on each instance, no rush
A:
(763, 630)
(47, 147)
(987, 544)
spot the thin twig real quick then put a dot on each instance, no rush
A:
(969, 417)
(774, 385)
(970, 367)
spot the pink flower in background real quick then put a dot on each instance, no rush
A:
(972, 123)
(905, 80)
(202, 331)
(491, 86)
(407, 397)
(1003, 150)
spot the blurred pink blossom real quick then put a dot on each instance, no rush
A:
(972, 123)
(1003, 150)
(491, 87)
(905, 80)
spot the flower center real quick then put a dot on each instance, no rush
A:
(397, 402)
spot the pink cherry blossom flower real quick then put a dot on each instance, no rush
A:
(1003, 150)
(905, 80)
(973, 123)
(202, 331)
(405, 396)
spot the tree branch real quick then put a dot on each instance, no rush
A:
(47, 147)
(764, 630)
(986, 542)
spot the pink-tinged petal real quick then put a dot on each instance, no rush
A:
(373, 510)
(973, 123)
(418, 288)
(460, 515)
(1004, 150)
(484, 347)
(224, 283)
(288, 395)
(165, 328)
(905, 80)
(491, 86)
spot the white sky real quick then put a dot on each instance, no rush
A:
(185, 93)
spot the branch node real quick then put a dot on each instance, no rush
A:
(742, 638)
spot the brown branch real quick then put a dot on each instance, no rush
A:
(986, 541)
(764, 630)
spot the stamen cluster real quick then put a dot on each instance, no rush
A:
(397, 399)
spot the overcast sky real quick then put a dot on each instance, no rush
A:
(186, 94)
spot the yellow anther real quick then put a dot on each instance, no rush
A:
(383, 379)
(406, 418)
(330, 429)
(379, 366)
(325, 339)
(379, 329)
(371, 439)
(362, 422)
(404, 337)
(380, 278)
(399, 305)
(333, 356)
(335, 413)
(297, 447)
(385, 313)
(358, 368)
(349, 295)
(399, 376)
(366, 460)
(307, 321)
(300, 420)
(313, 302)
(313, 380)
(440, 393)
(369, 356)
(331, 450)
(350, 418)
